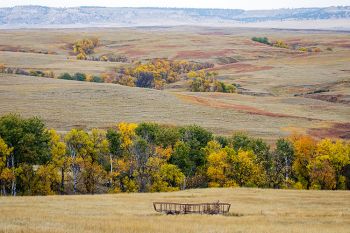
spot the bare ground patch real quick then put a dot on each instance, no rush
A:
(337, 130)
(243, 108)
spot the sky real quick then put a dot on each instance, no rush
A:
(234, 4)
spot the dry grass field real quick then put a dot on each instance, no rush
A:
(277, 83)
(252, 210)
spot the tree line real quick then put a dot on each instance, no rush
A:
(282, 44)
(150, 157)
(152, 74)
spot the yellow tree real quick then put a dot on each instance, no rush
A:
(127, 132)
(46, 180)
(163, 176)
(78, 146)
(305, 151)
(5, 172)
(92, 171)
(245, 171)
(59, 156)
(124, 166)
(337, 154)
(217, 166)
(322, 174)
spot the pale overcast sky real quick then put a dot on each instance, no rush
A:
(235, 4)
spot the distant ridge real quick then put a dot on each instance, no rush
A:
(121, 16)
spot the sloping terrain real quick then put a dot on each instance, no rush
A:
(280, 90)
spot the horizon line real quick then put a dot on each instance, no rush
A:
(173, 7)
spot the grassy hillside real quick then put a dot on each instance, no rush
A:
(252, 210)
(280, 88)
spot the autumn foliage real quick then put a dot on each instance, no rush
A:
(157, 72)
(82, 48)
(149, 157)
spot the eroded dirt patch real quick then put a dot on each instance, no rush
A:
(337, 130)
(243, 108)
(339, 98)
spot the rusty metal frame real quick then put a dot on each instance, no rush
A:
(199, 208)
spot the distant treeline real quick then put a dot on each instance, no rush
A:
(150, 157)
(282, 44)
(85, 47)
(152, 74)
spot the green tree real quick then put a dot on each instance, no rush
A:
(29, 140)
(79, 77)
(197, 138)
(181, 158)
(65, 76)
(283, 158)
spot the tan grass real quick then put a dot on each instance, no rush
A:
(262, 70)
(253, 210)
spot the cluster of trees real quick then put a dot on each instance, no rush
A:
(110, 58)
(263, 40)
(153, 74)
(202, 81)
(82, 77)
(84, 47)
(157, 72)
(282, 44)
(149, 157)
(20, 71)
(309, 50)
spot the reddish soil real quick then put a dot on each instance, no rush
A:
(168, 46)
(9, 48)
(337, 130)
(243, 108)
(330, 98)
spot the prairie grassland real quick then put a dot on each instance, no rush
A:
(252, 210)
(278, 83)
(66, 104)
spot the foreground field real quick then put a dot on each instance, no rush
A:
(253, 210)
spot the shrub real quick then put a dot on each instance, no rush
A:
(303, 49)
(103, 58)
(79, 77)
(81, 56)
(225, 88)
(263, 40)
(96, 79)
(280, 44)
(21, 71)
(65, 76)
(2, 68)
(38, 73)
